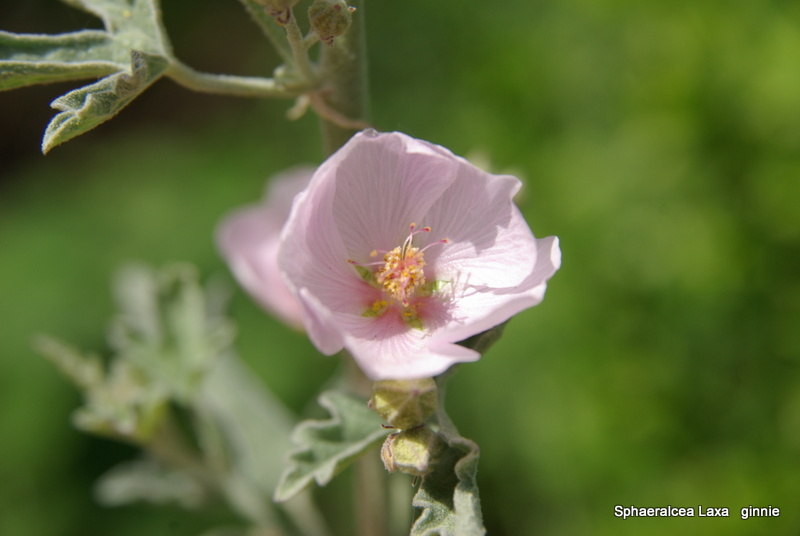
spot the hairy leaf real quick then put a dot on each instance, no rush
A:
(135, 23)
(40, 59)
(166, 327)
(119, 401)
(327, 447)
(449, 496)
(85, 108)
(146, 480)
(131, 53)
(256, 424)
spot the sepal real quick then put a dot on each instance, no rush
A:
(404, 404)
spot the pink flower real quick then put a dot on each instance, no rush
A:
(398, 249)
(248, 239)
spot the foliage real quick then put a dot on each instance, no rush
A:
(325, 448)
(658, 142)
(130, 55)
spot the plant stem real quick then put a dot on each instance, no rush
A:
(299, 49)
(343, 70)
(221, 84)
(370, 478)
(370, 495)
(275, 33)
(169, 447)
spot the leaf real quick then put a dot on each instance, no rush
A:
(131, 53)
(257, 424)
(145, 480)
(166, 327)
(40, 59)
(326, 447)
(449, 496)
(119, 402)
(85, 108)
(135, 23)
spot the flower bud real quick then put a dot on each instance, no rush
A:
(413, 452)
(404, 404)
(280, 10)
(330, 18)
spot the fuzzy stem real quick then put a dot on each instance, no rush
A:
(274, 33)
(343, 69)
(299, 49)
(370, 477)
(238, 86)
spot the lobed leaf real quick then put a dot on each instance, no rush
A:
(326, 447)
(134, 23)
(165, 326)
(85, 108)
(41, 59)
(119, 401)
(131, 53)
(449, 496)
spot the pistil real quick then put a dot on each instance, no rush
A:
(400, 274)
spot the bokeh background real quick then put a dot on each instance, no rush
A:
(659, 140)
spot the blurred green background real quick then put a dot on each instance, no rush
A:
(659, 140)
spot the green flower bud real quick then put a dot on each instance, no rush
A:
(404, 404)
(413, 452)
(330, 18)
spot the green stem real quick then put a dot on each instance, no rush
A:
(446, 425)
(169, 447)
(370, 477)
(343, 70)
(221, 84)
(371, 482)
(299, 49)
(274, 33)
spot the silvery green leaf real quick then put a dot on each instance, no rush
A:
(134, 23)
(40, 59)
(449, 496)
(248, 430)
(324, 448)
(256, 424)
(147, 481)
(130, 54)
(85, 108)
(166, 327)
(119, 402)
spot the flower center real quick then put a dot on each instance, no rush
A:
(401, 275)
(402, 272)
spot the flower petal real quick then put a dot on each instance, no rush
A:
(248, 240)
(386, 349)
(482, 307)
(386, 178)
(364, 198)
